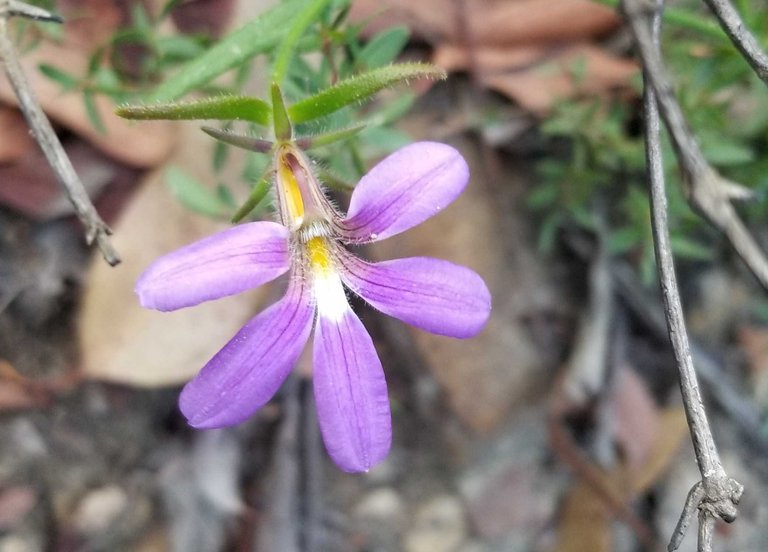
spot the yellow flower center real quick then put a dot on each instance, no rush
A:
(319, 255)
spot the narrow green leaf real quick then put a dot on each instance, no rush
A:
(218, 107)
(384, 47)
(193, 195)
(250, 143)
(319, 140)
(93, 112)
(283, 128)
(287, 47)
(257, 36)
(258, 193)
(64, 79)
(359, 88)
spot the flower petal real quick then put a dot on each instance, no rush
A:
(248, 371)
(403, 190)
(351, 393)
(226, 263)
(431, 294)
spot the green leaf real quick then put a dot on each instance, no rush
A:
(193, 195)
(258, 193)
(543, 195)
(359, 88)
(287, 48)
(725, 152)
(93, 112)
(257, 36)
(218, 107)
(384, 47)
(624, 239)
(690, 249)
(65, 80)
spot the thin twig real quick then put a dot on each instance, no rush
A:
(707, 191)
(740, 35)
(719, 493)
(95, 228)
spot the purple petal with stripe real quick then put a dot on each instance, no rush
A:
(350, 393)
(248, 371)
(405, 189)
(431, 294)
(226, 263)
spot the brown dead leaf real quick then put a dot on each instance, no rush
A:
(30, 186)
(636, 417)
(670, 435)
(579, 70)
(122, 342)
(16, 140)
(528, 50)
(140, 145)
(499, 22)
(754, 342)
(585, 522)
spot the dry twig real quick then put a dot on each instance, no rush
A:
(707, 191)
(95, 228)
(741, 37)
(716, 495)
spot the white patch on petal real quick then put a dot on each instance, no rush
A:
(329, 292)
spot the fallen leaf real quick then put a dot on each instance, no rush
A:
(636, 416)
(754, 342)
(579, 70)
(499, 22)
(122, 342)
(671, 434)
(585, 522)
(16, 140)
(30, 186)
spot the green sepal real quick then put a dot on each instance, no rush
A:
(359, 88)
(258, 192)
(218, 107)
(282, 122)
(250, 143)
(319, 140)
(255, 37)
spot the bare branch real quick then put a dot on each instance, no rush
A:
(740, 35)
(716, 495)
(707, 191)
(95, 228)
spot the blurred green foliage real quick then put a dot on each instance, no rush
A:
(309, 47)
(599, 173)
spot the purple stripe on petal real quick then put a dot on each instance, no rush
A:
(248, 371)
(351, 394)
(226, 263)
(405, 189)
(431, 294)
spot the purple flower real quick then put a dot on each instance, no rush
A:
(402, 191)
